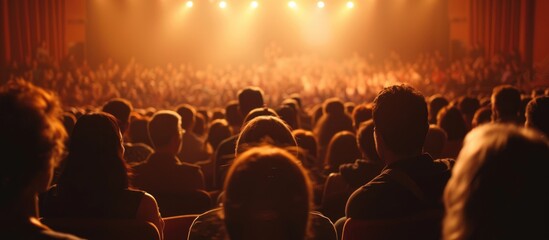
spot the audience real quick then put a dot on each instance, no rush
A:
(95, 181)
(391, 168)
(498, 188)
(32, 140)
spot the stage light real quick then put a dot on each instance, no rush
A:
(292, 4)
(350, 4)
(320, 4)
(222, 4)
(189, 4)
(254, 4)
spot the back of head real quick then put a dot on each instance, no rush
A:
(451, 120)
(267, 196)
(31, 137)
(366, 142)
(333, 106)
(400, 119)
(341, 149)
(121, 109)
(219, 130)
(360, 114)
(289, 115)
(265, 130)
(163, 127)
(468, 106)
(138, 132)
(506, 104)
(250, 98)
(498, 186)
(188, 116)
(537, 114)
(436, 102)
(233, 115)
(482, 115)
(435, 140)
(306, 140)
(95, 160)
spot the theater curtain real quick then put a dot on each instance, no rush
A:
(26, 24)
(495, 25)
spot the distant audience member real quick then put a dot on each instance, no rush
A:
(342, 149)
(267, 196)
(498, 188)
(468, 105)
(32, 140)
(537, 114)
(193, 148)
(334, 119)
(435, 141)
(361, 113)
(435, 103)
(506, 104)
(482, 115)
(454, 124)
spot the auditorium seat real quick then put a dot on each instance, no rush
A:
(425, 226)
(105, 229)
(177, 227)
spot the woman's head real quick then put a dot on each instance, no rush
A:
(267, 196)
(95, 159)
(265, 130)
(498, 185)
(342, 149)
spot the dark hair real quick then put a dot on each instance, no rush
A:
(188, 116)
(306, 140)
(360, 114)
(233, 115)
(537, 114)
(451, 120)
(506, 103)
(120, 108)
(199, 127)
(264, 111)
(267, 191)
(365, 141)
(138, 132)
(32, 136)
(341, 149)
(482, 115)
(219, 130)
(400, 118)
(95, 161)
(435, 103)
(250, 98)
(163, 126)
(289, 115)
(265, 130)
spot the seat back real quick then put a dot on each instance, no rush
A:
(177, 227)
(105, 229)
(425, 226)
(192, 202)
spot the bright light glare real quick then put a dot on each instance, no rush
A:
(320, 4)
(292, 4)
(254, 4)
(189, 4)
(222, 4)
(350, 4)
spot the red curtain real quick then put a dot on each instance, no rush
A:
(29, 23)
(495, 25)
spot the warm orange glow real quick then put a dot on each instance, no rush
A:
(350, 4)
(254, 4)
(189, 4)
(292, 4)
(320, 4)
(222, 4)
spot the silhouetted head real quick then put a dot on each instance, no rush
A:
(250, 98)
(506, 104)
(165, 128)
(537, 114)
(188, 116)
(265, 130)
(400, 119)
(121, 109)
(267, 195)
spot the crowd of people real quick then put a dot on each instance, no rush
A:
(290, 149)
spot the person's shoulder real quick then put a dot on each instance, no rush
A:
(322, 227)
